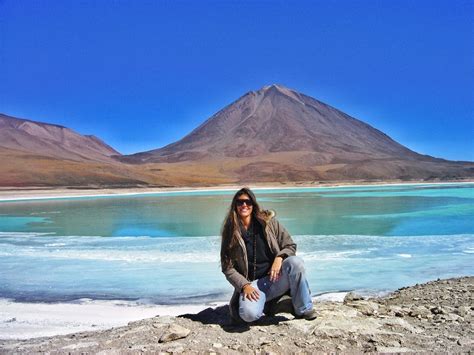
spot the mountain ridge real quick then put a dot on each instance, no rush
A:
(271, 135)
(280, 130)
(52, 140)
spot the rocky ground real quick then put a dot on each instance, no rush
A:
(433, 317)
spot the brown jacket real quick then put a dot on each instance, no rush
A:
(280, 243)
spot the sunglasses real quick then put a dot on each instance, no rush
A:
(246, 201)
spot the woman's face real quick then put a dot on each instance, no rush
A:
(244, 206)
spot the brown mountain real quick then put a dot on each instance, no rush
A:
(272, 135)
(278, 134)
(52, 140)
(41, 154)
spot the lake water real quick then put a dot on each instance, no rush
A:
(164, 248)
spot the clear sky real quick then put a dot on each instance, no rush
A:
(141, 74)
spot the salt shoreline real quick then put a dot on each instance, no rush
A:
(436, 316)
(32, 193)
(27, 320)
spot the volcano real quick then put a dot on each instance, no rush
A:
(279, 134)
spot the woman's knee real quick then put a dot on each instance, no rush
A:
(250, 314)
(295, 263)
(250, 311)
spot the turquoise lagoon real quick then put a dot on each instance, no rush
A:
(164, 248)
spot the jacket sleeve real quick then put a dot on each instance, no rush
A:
(285, 242)
(235, 278)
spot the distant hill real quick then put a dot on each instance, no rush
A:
(41, 154)
(278, 134)
(52, 140)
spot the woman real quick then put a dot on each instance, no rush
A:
(258, 259)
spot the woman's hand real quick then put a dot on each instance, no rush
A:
(275, 270)
(250, 292)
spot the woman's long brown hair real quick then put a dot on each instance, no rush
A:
(231, 226)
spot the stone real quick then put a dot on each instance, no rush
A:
(217, 345)
(393, 343)
(453, 317)
(302, 326)
(300, 344)
(437, 310)
(465, 341)
(419, 312)
(462, 311)
(178, 349)
(367, 308)
(174, 332)
(383, 310)
(398, 323)
(396, 310)
(351, 297)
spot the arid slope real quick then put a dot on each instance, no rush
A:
(278, 134)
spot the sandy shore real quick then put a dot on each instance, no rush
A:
(432, 317)
(34, 193)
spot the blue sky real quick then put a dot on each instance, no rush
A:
(142, 74)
